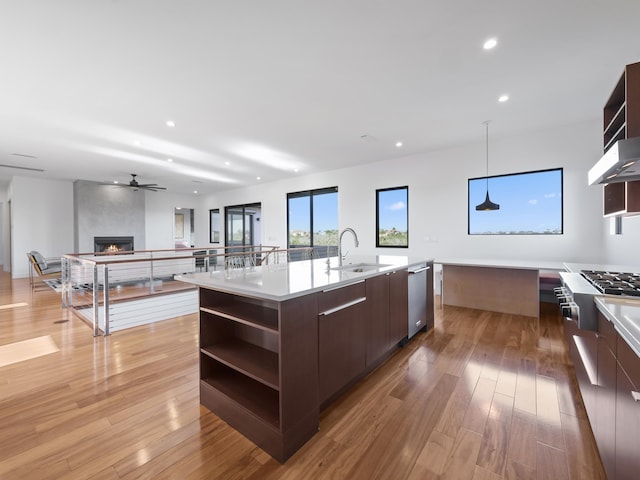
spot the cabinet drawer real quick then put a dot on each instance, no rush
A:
(629, 362)
(607, 333)
(333, 298)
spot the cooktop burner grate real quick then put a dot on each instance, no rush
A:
(614, 283)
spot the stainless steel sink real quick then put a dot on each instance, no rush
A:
(361, 267)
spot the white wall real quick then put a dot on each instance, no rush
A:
(623, 249)
(438, 198)
(42, 219)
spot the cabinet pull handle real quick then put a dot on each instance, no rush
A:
(635, 396)
(342, 307)
(419, 270)
(341, 286)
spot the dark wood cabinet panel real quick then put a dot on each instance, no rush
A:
(342, 349)
(398, 306)
(378, 333)
(605, 412)
(627, 453)
(621, 120)
(259, 367)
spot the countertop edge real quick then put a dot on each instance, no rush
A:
(603, 304)
(354, 277)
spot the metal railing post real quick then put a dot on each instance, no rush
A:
(96, 302)
(106, 300)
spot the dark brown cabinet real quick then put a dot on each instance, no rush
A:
(604, 423)
(627, 446)
(342, 338)
(612, 398)
(259, 367)
(621, 120)
(378, 332)
(269, 367)
(399, 306)
(621, 114)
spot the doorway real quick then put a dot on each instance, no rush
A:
(184, 231)
(243, 225)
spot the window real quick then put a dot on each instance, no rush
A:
(243, 225)
(392, 217)
(530, 204)
(312, 220)
(214, 225)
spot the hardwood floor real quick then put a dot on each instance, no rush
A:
(483, 396)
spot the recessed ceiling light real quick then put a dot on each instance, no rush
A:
(257, 178)
(115, 181)
(169, 159)
(170, 123)
(489, 44)
(195, 191)
(137, 143)
(398, 144)
(295, 170)
(227, 163)
(503, 98)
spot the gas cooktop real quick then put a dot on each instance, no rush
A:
(614, 283)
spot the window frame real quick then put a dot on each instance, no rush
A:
(214, 212)
(378, 193)
(469, 205)
(307, 193)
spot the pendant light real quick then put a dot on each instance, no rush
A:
(487, 205)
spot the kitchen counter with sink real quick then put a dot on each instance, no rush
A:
(293, 279)
(279, 343)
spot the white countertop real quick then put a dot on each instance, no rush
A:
(624, 313)
(293, 279)
(577, 267)
(496, 263)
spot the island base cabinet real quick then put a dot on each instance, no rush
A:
(627, 451)
(342, 354)
(259, 368)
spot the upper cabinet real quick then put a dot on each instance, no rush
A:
(622, 111)
(621, 121)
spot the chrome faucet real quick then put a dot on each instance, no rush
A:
(355, 239)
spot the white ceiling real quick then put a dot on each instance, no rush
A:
(273, 86)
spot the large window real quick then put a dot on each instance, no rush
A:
(392, 217)
(312, 220)
(530, 204)
(243, 225)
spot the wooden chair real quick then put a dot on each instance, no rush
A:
(45, 268)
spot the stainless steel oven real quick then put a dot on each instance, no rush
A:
(576, 295)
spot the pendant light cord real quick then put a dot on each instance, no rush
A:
(486, 123)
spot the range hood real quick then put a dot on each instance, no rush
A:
(621, 163)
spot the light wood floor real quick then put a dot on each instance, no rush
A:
(484, 396)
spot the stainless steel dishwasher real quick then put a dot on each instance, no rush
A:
(418, 298)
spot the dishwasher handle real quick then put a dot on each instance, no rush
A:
(419, 270)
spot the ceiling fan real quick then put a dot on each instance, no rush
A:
(142, 186)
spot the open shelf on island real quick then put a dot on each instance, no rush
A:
(258, 363)
(248, 314)
(253, 397)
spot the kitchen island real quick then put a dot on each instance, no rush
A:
(508, 286)
(278, 343)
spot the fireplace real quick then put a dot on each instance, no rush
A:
(111, 245)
